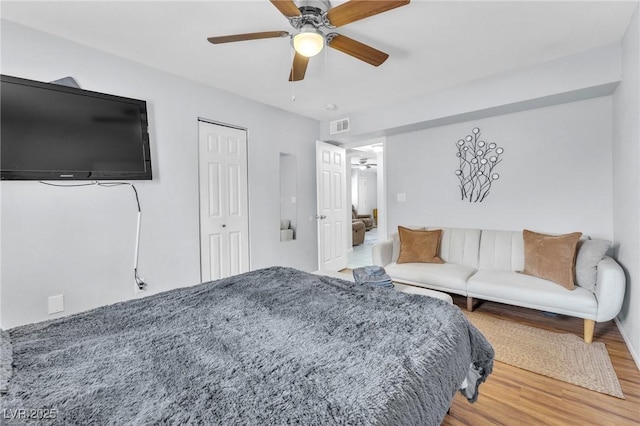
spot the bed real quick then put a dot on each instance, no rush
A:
(272, 346)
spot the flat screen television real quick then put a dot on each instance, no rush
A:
(55, 132)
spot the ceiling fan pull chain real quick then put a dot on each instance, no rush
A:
(326, 67)
(327, 96)
(293, 93)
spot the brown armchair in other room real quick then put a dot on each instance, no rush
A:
(366, 218)
(357, 232)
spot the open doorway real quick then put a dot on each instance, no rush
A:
(366, 192)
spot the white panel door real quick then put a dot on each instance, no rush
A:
(363, 195)
(333, 214)
(224, 219)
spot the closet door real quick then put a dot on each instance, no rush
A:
(224, 221)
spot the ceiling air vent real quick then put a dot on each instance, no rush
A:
(339, 126)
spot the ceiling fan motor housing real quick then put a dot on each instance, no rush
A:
(322, 5)
(313, 12)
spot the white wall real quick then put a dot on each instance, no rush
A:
(626, 182)
(556, 173)
(80, 241)
(594, 72)
(289, 189)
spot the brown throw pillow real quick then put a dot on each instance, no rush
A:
(395, 253)
(419, 246)
(552, 257)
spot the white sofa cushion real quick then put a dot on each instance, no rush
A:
(459, 245)
(503, 250)
(449, 277)
(532, 292)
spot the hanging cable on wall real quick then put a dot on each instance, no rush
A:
(140, 284)
(293, 62)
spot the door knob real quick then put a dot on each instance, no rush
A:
(224, 226)
(321, 216)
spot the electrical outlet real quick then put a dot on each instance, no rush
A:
(56, 304)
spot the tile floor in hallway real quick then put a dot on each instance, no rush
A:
(361, 254)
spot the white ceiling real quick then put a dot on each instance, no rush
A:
(432, 44)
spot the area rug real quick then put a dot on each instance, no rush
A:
(560, 356)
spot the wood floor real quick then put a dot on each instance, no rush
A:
(512, 396)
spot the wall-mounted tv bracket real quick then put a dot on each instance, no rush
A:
(67, 81)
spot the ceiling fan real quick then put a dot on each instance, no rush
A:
(308, 16)
(363, 164)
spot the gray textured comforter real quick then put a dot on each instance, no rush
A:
(273, 346)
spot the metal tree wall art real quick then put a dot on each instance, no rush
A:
(477, 160)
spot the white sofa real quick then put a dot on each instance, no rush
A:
(483, 264)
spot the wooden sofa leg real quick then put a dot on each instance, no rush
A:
(469, 304)
(589, 326)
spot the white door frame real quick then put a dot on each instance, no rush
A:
(244, 264)
(381, 196)
(383, 231)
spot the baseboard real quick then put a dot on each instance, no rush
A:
(632, 350)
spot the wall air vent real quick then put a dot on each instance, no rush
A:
(339, 126)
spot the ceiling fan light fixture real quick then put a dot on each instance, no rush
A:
(309, 41)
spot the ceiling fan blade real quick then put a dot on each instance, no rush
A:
(358, 50)
(286, 7)
(248, 36)
(356, 10)
(298, 68)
